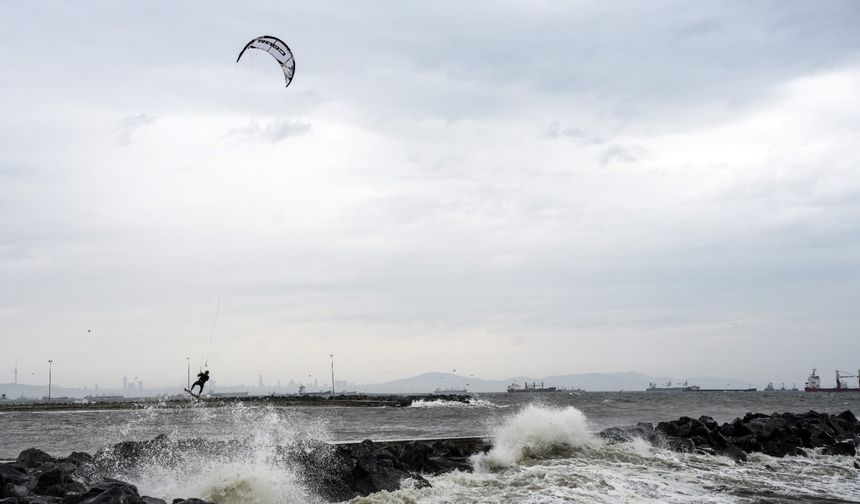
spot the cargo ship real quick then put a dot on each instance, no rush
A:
(668, 387)
(750, 389)
(515, 387)
(813, 383)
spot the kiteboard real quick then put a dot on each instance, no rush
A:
(192, 394)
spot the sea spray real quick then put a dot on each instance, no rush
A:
(536, 431)
(471, 403)
(249, 468)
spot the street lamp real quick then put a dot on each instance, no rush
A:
(50, 368)
(188, 363)
(332, 375)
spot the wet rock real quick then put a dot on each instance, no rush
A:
(679, 444)
(50, 478)
(79, 458)
(342, 472)
(734, 452)
(628, 433)
(33, 457)
(107, 491)
(19, 492)
(747, 443)
(816, 437)
(680, 428)
(56, 480)
(44, 499)
(335, 472)
(777, 435)
(842, 448)
(11, 474)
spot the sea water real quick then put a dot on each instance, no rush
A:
(544, 449)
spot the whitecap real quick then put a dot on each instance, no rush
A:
(472, 403)
(536, 431)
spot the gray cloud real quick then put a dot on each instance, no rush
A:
(622, 154)
(129, 125)
(273, 131)
(612, 178)
(555, 130)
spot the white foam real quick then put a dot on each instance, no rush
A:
(618, 473)
(472, 403)
(536, 431)
(252, 475)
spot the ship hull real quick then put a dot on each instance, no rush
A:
(723, 390)
(842, 389)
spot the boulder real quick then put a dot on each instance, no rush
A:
(733, 452)
(79, 458)
(19, 492)
(841, 448)
(11, 474)
(107, 491)
(44, 499)
(630, 432)
(681, 445)
(33, 457)
(778, 435)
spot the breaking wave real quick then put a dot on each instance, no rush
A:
(252, 470)
(536, 432)
(473, 403)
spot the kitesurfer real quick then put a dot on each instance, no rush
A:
(202, 378)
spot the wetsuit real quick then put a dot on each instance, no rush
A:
(202, 378)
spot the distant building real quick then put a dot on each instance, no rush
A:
(125, 382)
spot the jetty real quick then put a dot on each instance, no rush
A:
(291, 400)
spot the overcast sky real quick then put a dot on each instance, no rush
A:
(501, 188)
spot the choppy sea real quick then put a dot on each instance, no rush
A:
(545, 450)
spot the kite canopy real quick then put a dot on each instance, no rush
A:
(278, 49)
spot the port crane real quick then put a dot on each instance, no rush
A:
(840, 375)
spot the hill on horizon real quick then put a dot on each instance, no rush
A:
(629, 381)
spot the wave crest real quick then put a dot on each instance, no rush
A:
(536, 432)
(254, 470)
(472, 403)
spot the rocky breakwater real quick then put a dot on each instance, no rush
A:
(341, 472)
(38, 478)
(777, 434)
(334, 472)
